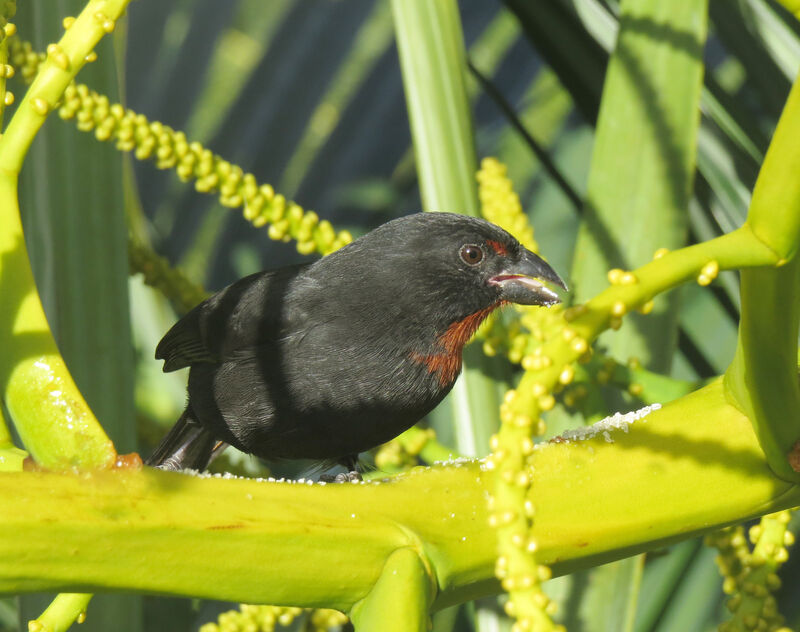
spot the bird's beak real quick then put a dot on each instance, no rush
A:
(521, 281)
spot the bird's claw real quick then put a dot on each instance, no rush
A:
(341, 477)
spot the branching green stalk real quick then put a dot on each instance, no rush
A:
(762, 379)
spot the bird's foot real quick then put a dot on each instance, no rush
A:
(341, 477)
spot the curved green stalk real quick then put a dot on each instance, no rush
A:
(51, 415)
(65, 609)
(399, 600)
(59, 531)
(762, 378)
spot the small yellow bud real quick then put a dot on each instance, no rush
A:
(40, 106)
(567, 374)
(67, 22)
(619, 308)
(615, 322)
(615, 276)
(90, 57)
(660, 253)
(547, 402)
(579, 345)
(526, 445)
(58, 56)
(567, 334)
(10, 29)
(646, 308)
(81, 617)
(104, 21)
(708, 273)
(8, 99)
(629, 278)
(635, 389)
(522, 421)
(538, 389)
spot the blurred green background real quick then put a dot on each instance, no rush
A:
(308, 96)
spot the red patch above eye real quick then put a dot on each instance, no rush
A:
(498, 247)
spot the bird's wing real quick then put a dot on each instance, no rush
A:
(183, 345)
(232, 322)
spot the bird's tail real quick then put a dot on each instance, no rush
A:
(187, 446)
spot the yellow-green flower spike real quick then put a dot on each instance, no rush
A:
(750, 576)
(500, 204)
(511, 510)
(171, 149)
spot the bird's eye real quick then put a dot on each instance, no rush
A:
(471, 254)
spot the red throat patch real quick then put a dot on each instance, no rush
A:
(447, 363)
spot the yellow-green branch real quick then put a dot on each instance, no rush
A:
(117, 526)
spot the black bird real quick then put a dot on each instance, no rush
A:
(327, 360)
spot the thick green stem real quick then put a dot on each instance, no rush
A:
(762, 379)
(110, 529)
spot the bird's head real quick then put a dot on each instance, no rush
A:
(459, 259)
(432, 270)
